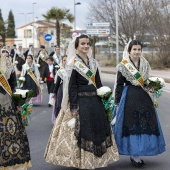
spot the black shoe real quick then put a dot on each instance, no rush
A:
(49, 105)
(137, 164)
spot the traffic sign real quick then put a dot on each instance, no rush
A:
(98, 24)
(74, 34)
(48, 37)
(98, 31)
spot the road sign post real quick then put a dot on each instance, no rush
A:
(97, 28)
(74, 34)
(48, 37)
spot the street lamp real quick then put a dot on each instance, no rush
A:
(25, 15)
(78, 3)
(25, 32)
(33, 23)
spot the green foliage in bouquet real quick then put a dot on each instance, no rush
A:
(105, 93)
(108, 106)
(19, 100)
(26, 114)
(106, 96)
(156, 85)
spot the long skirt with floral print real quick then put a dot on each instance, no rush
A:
(62, 148)
(14, 146)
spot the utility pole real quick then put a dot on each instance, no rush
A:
(117, 35)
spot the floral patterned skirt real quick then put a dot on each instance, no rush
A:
(62, 148)
(14, 146)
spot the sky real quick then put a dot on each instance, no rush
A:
(22, 7)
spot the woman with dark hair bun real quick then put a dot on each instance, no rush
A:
(82, 135)
(137, 129)
(32, 76)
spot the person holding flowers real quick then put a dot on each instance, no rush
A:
(89, 144)
(137, 129)
(32, 76)
(14, 145)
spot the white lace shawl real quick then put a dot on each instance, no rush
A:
(33, 67)
(6, 66)
(144, 71)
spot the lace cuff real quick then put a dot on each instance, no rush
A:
(73, 108)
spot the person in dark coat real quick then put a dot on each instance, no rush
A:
(13, 51)
(56, 54)
(48, 76)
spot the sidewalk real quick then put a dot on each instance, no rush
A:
(165, 74)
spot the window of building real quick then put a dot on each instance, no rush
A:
(52, 32)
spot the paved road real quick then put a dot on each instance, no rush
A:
(155, 73)
(40, 128)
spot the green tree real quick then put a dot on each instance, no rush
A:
(2, 27)
(11, 26)
(58, 15)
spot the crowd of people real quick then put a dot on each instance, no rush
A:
(72, 81)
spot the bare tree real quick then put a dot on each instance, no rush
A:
(137, 18)
(131, 17)
(158, 13)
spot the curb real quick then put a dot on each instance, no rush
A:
(167, 80)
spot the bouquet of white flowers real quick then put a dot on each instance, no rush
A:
(57, 67)
(155, 84)
(21, 98)
(108, 101)
(20, 81)
(104, 92)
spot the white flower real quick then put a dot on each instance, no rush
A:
(162, 82)
(57, 66)
(22, 78)
(15, 62)
(22, 92)
(38, 65)
(103, 90)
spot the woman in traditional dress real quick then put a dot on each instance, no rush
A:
(58, 89)
(91, 143)
(32, 76)
(41, 60)
(20, 59)
(14, 146)
(56, 54)
(137, 129)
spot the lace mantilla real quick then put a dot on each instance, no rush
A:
(6, 66)
(144, 71)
